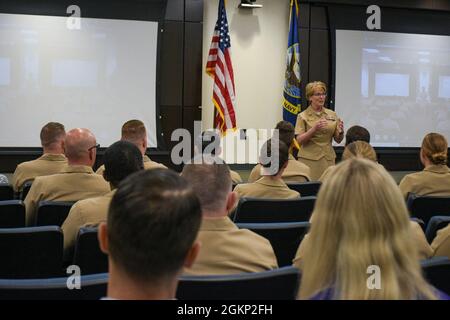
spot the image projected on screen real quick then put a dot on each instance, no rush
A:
(396, 85)
(96, 77)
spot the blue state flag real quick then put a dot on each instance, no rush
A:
(292, 94)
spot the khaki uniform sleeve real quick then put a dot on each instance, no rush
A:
(255, 174)
(32, 201)
(71, 226)
(235, 177)
(100, 170)
(441, 244)
(17, 180)
(405, 186)
(300, 125)
(420, 241)
(297, 262)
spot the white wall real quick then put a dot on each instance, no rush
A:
(258, 52)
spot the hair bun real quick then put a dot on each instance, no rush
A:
(439, 157)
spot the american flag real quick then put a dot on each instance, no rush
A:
(220, 68)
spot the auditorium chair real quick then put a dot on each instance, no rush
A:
(252, 210)
(12, 214)
(278, 284)
(285, 237)
(92, 287)
(88, 255)
(52, 213)
(425, 207)
(310, 188)
(34, 252)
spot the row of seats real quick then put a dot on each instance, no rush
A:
(7, 191)
(279, 284)
(305, 188)
(37, 252)
(49, 213)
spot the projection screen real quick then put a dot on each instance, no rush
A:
(396, 85)
(96, 77)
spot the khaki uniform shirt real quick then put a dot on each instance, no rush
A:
(85, 212)
(441, 244)
(226, 249)
(266, 187)
(43, 166)
(319, 145)
(148, 164)
(417, 236)
(434, 180)
(295, 172)
(72, 184)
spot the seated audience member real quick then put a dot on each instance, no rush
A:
(356, 149)
(134, 131)
(434, 180)
(3, 179)
(295, 171)
(441, 244)
(51, 162)
(75, 182)
(149, 236)
(225, 249)
(357, 133)
(209, 141)
(274, 159)
(121, 159)
(350, 236)
(361, 149)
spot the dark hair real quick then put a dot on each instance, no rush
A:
(121, 159)
(357, 133)
(274, 150)
(51, 133)
(153, 220)
(285, 132)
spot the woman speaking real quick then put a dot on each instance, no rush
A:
(315, 129)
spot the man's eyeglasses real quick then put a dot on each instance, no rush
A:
(319, 94)
(94, 147)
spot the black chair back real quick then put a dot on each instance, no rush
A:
(6, 192)
(278, 284)
(436, 223)
(88, 255)
(25, 189)
(12, 214)
(52, 213)
(92, 287)
(437, 272)
(34, 252)
(425, 207)
(285, 238)
(251, 210)
(310, 188)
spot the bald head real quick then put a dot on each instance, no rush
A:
(79, 145)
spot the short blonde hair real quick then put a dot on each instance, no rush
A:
(359, 149)
(312, 86)
(361, 220)
(434, 147)
(133, 131)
